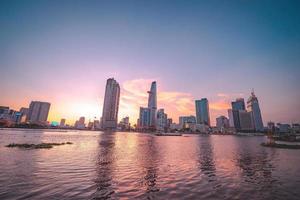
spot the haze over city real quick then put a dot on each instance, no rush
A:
(63, 52)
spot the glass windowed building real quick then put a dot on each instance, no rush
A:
(202, 111)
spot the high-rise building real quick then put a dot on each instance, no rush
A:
(253, 107)
(237, 105)
(245, 119)
(202, 111)
(111, 104)
(222, 122)
(162, 120)
(231, 119)
(152, 104)
(144, 118)
(38, 112)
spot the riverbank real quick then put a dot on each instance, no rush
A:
(281, 146)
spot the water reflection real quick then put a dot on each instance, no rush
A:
(206, 158)
(257, 169)
(148, 164)
(142, 166)
(104, 167)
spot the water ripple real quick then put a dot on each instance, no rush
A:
(141, 166)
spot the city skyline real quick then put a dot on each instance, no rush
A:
(149, 99)
(220, 108)
(112, 92)
(63, 53)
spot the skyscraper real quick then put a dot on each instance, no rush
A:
(38, 112)
(231, 119)
(238, 105)
(253, 107)
(202, 111)
(152, 104)
(144, 118)
(162, 120)
(246, 122)
(111, 104)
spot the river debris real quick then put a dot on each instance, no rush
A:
(281, 146)
(36, 146)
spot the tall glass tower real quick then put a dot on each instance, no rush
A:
(202, 111)
(152, 104)
(253, 107)
(237, 106)
(111, 104)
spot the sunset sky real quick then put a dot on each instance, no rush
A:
(62, 52)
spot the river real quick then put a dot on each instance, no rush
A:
(104, 165)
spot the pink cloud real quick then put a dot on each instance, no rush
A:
(134, 95)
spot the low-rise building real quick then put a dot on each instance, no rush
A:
(283, 128)
(296, 128)
(222, 122)
(175, 126)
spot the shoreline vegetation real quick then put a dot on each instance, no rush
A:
(36, 146)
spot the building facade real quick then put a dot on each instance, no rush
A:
(202, 111)
(124, 123)
(152, 104)
(230, 117)
(38, 112)
(144, 118)
(161, 120)
(237, 106)
(222, 122)
(185, 121)
(111, 104)
(246, 122)
(253, 107)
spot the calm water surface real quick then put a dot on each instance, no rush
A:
(142, 166)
